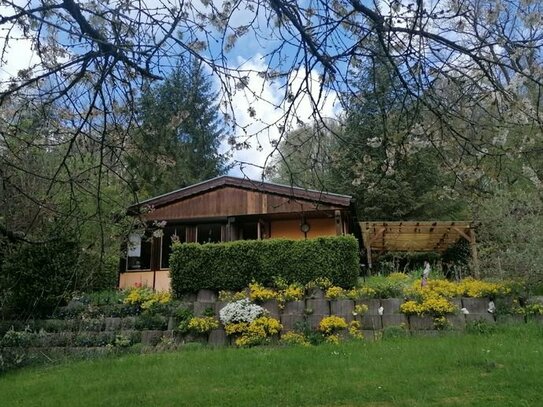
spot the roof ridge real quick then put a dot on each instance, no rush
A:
(225, 180)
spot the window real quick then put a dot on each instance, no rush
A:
(139, 251)
(170, 234)
(209, 233)
(249, 231)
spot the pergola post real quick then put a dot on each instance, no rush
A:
(339, 223)
(474, 253)
(368, 252)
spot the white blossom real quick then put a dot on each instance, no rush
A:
(374, 142)
(240, 311)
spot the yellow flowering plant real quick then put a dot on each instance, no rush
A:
(231, 296)
(335, 292)
(360, 309)
(432, 304)
(322, 282)
(145, 297)
(292, 292)
(358, 293)
(332, 324)
(468, 287)
(258, 292)
(236, 328)
(441, 323)
(355, 330)
(533, 309)
(202, 325)
(258, 331)
(294, 338)
(397, 276)
(479, 288)
(334, 339)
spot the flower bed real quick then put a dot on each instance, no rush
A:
(310, 314)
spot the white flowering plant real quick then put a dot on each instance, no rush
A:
(240, 311)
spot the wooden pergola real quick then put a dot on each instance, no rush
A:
(417, 236)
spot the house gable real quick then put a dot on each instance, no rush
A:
(230, 196)
(231, 201)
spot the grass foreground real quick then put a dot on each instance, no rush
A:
(503, 368)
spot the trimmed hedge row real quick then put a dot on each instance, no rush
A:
(233, 265)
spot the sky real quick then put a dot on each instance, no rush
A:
(250, 53)
(263, 97)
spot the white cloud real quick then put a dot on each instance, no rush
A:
(269, 101)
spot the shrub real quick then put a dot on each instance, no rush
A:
(258, 331)
(332, 324)
(432, 304)
(231, 296)
(258, 292)
(335, 293)
(240, 311)
(293, 292)
(37, 278)
(202, 325)
(122, 341)
(468, 287)
(150, 321)
(184, 315)
(479, 289)
(294, 338)
(97, 272)
(533, 309)
(383, 287)
(355, 330)
(233, 265)
(358, 293)
(146, 298)
(103, 297)
(360, 309)
(14, 338)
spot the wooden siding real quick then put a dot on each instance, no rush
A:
(233, 202)
(131, 279)
(290, 229)
(287, 191)
(161, 280)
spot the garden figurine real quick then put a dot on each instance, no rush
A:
(425, 273)
(491, 307)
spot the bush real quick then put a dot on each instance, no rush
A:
(383, 287)
(234, 265)
(97, 272)
(37, 278)
(150, 321)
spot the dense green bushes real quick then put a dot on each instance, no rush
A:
(37, 277)
(232, 266)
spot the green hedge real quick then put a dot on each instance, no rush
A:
(233, 265)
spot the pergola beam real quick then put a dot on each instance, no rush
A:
(417, 236)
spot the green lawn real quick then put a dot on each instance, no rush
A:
(500, 369)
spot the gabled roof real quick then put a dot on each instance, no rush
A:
(247, 184)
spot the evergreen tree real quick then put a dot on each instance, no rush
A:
(180, 133)
(393, 172)
(304, 156)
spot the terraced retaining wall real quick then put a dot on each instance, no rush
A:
(97, 331)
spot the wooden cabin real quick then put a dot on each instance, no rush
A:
(225, 209)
